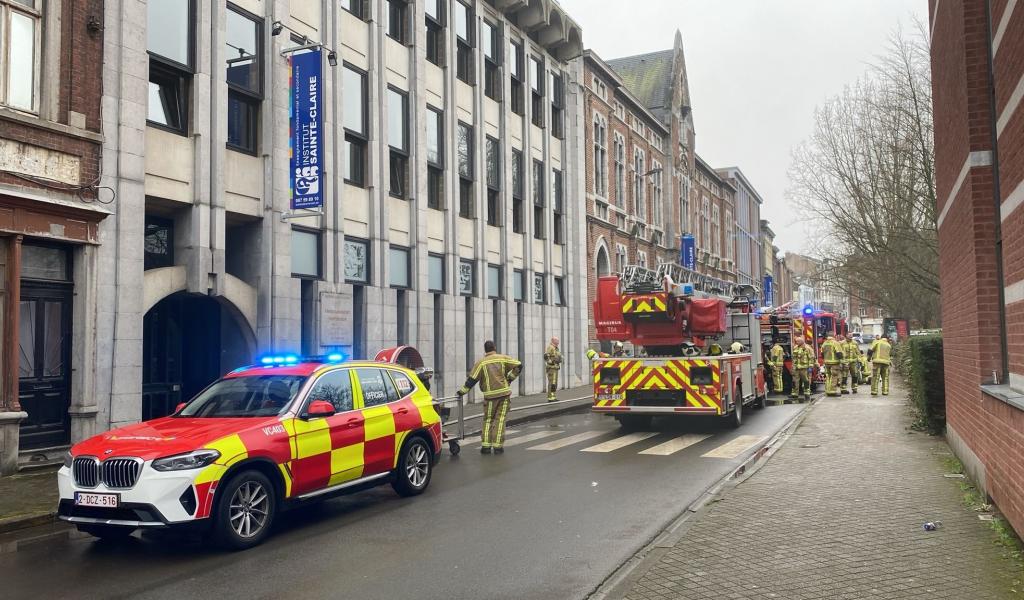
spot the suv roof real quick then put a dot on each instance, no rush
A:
(304, 367)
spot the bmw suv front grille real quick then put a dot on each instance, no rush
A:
(115, 473)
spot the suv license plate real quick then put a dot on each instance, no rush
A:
(101, 500)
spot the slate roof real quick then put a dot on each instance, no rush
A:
(649, 78)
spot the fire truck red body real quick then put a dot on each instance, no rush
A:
(783, 323)
(678, 334)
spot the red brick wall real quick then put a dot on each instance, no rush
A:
(969, 273)
(78, 88)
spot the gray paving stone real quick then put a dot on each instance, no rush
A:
(840, 520)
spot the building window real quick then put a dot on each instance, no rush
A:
(559, 291)
(716, 232)
(435, 273)
(20, 52)
(641, 258)
(398, 267)
(357, 261)
(435, 158)
(434, 15)
(356, 7)
(465, 142)
(464, 43)
(306, 254)
(398, 20)
(490, 42)
(600, 156)
(539, 222)
(517, 191)
(537, 90)
(159, 243)
(354, 107)
(516, 67)
(170, 40)
(494, 281)
(620, 171)
(657, 190)
(559, 208)
(730, 239)
(621, 258)
(557, 105)
(518, 278)
(539, 293)
(638, 184)
(493, 182)
(398, 141)
(467, 283)
(684, 206)
(244, 41)
(705, 223)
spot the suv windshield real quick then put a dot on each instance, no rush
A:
(257, 396)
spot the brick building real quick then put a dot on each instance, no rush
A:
(638, 168)
(51, 55)
(712, 213)
(977, 52)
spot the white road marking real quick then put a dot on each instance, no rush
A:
(620, 442)
(572, 439)
(734, 448)
(537, 435)
(675, 445)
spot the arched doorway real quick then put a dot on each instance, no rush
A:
(188, 341)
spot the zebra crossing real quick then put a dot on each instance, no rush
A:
(547, 440)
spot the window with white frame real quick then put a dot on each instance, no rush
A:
(20, 53)
(620, 171)
(729, 226)
(684, 206)
(641, 258)
(705, 222)
(716, 232)
(639, 168)
(600, 156)
(657, 194)
(539, 293)
(621, 256)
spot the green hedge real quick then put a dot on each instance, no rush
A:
(919, 360)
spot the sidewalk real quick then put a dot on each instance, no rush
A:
(837, 512)
(30, 499)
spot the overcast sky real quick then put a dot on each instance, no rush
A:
(757, 69)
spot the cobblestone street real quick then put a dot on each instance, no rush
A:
(838, 513)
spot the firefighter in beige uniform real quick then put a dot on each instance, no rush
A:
(552, 364)
(881, 357)
(495, 373)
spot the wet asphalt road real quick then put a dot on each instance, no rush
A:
(546, 523)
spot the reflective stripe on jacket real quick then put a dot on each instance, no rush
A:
(883, 353)
(803, 357)
(552, 358)
(830, 352)
(777, 356)
(494, 372)
(851, 351)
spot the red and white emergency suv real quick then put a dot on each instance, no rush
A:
(254, 442)
(683, 324)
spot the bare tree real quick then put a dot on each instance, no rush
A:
(865, 180)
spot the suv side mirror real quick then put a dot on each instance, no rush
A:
(319, 409)
(181, 405)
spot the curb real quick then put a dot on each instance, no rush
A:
(619, 582)
(10, 524)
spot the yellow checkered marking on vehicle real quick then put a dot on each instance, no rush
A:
(644, 304)
(311, 437)
(633, 375)
(346, 463)
(231, 451)
(380, 422)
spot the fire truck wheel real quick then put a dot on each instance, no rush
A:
(735, 418)
(634, 422)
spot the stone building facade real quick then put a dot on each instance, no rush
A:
(747, 232)
(977, 52)
(450, 142)
(52, 208)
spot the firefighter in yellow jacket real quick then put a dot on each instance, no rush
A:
(494, 372)
(851, 372)
(552, 364)
(777, 360)
(803, 362)
(832, 356)
(881, 358)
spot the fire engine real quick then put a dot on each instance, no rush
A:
(782, 323)
(678, 322)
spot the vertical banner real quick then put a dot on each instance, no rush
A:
(305, 134)
(769, 291)
(688, 252)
